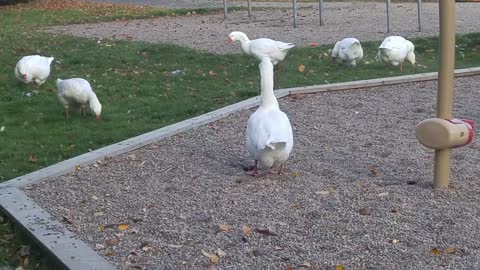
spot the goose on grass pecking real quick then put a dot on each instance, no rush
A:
(77, 92)
(269, 136)
(349, 51)
(395, 49)
(33, 68)
(276, 51)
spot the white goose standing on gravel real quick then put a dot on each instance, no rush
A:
(276, 51)
(78, 92)
(269, 133)
(34, 68)
(395, 49)
(348, 50)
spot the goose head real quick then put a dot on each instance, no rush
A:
(236, 35)
(96, 107)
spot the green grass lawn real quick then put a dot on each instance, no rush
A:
(134, 83)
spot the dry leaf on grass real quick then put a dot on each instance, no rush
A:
(32, 158)
(301, 68)
(213, 74)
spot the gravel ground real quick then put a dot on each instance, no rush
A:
(366, 21)
(358, 192)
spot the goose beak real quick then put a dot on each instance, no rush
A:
(229, 40)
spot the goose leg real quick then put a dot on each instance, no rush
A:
(82, 109)
(401, 66)
(254, 171)
(281, 170)
(66, 112)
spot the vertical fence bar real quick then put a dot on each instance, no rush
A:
(441, 172)
(320, 13)
(249, 8)
(225, 9)
(388, 15)
(419, 12)
(295, 13)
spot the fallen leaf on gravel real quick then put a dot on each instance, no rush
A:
(132, 157)
(99, 246)
(221, 253)
(266, 232)
(112, 241)
(383, 194)
(330, 189)
(296, 97)
(301, 68)
(94, 197)
(206, 254)
(374, 170)
(306, 264)
(451, 250)
(314, 44)
(436, 251)
(32, 158)
(214, 259)
(364, 211)
(98, 214)
(339, 267)
(395, 241)
(101, 228)
(225, 228)
(247, 231)
(66, 220)
(123, 227)
(78, 168)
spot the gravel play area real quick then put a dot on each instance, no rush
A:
(357, 193)
(365, 21)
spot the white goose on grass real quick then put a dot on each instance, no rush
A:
(33, 68)
(269, 133)
(276, 51)
(78, 92)
(348, 50)
(395, 49)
